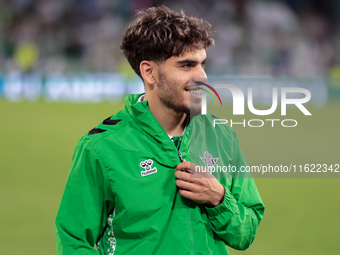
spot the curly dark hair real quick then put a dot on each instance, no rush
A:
(159, 33)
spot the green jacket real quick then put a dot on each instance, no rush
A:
(121, 193)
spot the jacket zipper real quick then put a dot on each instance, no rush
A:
(190, 230)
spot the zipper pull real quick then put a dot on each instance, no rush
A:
(180, 156)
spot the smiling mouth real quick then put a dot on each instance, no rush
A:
(195, 87)
(194, 93)
(193, 90)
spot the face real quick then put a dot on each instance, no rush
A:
(175, 87)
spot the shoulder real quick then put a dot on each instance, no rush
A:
(111, 129)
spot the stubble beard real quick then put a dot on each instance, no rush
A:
(172, 98)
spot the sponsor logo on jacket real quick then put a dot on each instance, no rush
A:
(146, 164)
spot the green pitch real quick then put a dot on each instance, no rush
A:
(37, 141)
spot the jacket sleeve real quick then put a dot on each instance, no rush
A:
(85, 204)
(236, 219)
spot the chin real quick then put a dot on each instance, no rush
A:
(194, 111)
(195, 106)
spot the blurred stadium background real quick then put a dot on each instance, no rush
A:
(61, 73)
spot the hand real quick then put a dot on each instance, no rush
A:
(201, 187)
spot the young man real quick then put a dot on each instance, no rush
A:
(129, 190)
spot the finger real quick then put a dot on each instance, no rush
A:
(201, 172)
(183, 165)
(187, 186)
(188, 177)
(187, 166)
(188, 194)
(183, 176)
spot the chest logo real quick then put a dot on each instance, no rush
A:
(146, 164)
(208, 160)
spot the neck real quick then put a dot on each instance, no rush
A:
(172, 122)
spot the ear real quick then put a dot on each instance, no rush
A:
(148, 70)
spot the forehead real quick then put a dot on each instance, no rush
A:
(195, 55)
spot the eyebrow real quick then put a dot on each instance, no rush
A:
(189, 61)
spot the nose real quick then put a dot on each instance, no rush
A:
(200, 75)
(201, 72)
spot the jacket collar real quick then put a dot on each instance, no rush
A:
(143, 117)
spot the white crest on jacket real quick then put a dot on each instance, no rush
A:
(208, 160)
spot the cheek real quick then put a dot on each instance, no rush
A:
(176, 85)
(181, 82)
